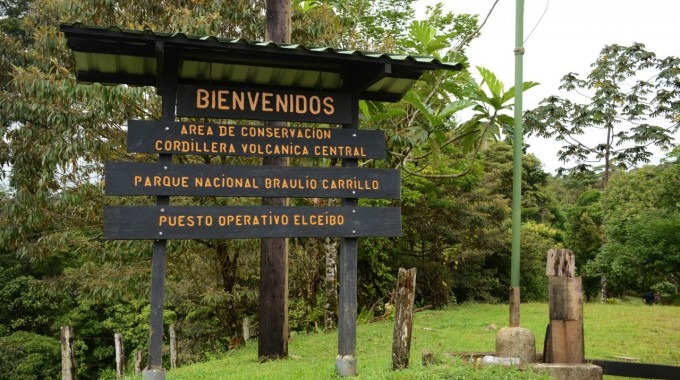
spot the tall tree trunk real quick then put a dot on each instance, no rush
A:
(605, 182)
(273, 313)
(331, 283)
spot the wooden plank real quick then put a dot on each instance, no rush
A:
(566, 343)
(565, 296)
(637, 370)
(234, 222)
(136, 178)
(547, 346)
(262, 103)
(155, 136)
(403, 317)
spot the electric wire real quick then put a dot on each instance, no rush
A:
(547, 4)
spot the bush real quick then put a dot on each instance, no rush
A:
(28, 356)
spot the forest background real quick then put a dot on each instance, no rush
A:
(450, 137)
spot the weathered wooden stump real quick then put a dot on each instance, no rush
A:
(138, 355)
(428, 358)
(403, 317)
(564, 341)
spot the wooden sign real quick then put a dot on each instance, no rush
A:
(136, 178)
(250, 103)
(152, 136)
(215, 222)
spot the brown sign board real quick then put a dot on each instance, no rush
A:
(171, 137)
(252, 103)
(231, 222)
(137, 178)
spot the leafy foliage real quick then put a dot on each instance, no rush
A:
(643, 216)
(633, 101)
(29, 356)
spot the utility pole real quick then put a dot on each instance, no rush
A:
(515, 341)
(517, 168)
(273, 313)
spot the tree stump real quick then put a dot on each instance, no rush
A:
(428, 358)
(564, 341)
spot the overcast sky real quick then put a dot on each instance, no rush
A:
(567, 39)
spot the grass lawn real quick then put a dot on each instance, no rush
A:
(651, 334)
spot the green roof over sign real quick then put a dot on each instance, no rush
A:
(114, 56)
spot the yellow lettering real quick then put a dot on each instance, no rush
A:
(238, 101)
(281, 103)
(202, 98)
(300, 104)
(315, 105)
(222, 99)
(266, 102)
(329, 108)
(253, 100)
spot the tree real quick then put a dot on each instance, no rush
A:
(633, 103)
(641, 239)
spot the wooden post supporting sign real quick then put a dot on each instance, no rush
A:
(168, 76)
(273, 310)
(346, 362)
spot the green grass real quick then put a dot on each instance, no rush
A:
(628, 330)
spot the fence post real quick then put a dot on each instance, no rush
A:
(173, 347)
(120, 356)
(245, 327)
(403, 317)
(138, 362)
(68, 359)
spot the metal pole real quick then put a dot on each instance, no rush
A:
(517, 167)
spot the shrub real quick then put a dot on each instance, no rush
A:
(29, 356)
